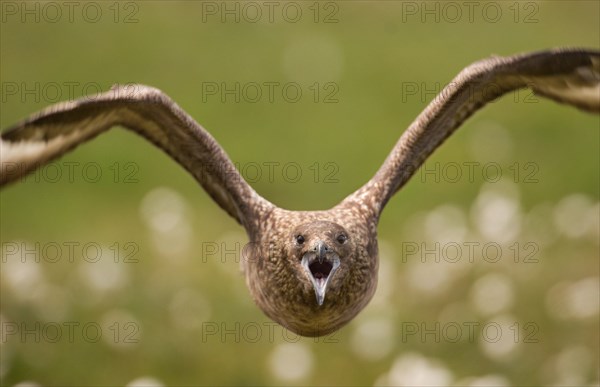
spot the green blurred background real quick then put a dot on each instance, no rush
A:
(174, 310)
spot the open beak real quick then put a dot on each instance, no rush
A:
(320, 265)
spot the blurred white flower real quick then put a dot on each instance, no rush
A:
(120, 329)
(166, 213)
(373, 339)
(496, 212)
(145, 381)
(484, 381)
(446, 224)
(27, 383)
(576, 215)
(21, 273)
(162, 209)
(291, 361)
(572, 365)
(413, 369)
(492, 293)
(500, 337)
(104, 275)
(577, 300)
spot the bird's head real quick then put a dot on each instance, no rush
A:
(321, 248)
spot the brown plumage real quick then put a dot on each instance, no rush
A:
(311, 271)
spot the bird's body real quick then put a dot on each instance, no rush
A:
(310, 271)
(281, 287)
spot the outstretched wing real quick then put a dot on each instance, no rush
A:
(148, 112)
(570, 76)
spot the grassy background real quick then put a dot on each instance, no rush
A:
(167, 302)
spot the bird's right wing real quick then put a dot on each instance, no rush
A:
(147, 111)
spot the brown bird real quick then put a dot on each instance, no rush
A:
(311, 271)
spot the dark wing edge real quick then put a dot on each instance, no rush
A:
(569, 76)
(150, 113)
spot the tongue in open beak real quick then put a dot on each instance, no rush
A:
(320, 268)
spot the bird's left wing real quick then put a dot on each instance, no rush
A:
(570, 76)
(145, 110)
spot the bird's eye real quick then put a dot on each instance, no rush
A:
(342, 238)
(299, 239)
